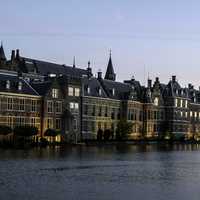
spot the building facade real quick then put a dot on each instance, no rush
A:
(78, 104)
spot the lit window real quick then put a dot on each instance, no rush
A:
(181, 114)
(190, 113)
(76, 106)
(71, 105)
(70, 91)
(186, 114)
(49, 106)
(186, 103)
(156, 101)
(33, 121)
(181, 103)
(77, 92)
(55, 93)
(10, 121)
(195, 114)
(176, 102)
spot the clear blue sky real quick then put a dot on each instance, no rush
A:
(162, 35)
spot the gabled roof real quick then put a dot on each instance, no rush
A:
(14, 81)
(121, 90)
(94, 85)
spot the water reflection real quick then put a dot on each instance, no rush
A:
(101, 172)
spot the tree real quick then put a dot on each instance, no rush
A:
(25, 131)
(124, 128)
(5, 130)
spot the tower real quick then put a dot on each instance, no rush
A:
(110, 75)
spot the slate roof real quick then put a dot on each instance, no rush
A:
(41, 87)
(45, 68)
(122, 90)
(14, 80)
(94, 85)
(2, 54)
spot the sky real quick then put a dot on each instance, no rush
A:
(148, 38)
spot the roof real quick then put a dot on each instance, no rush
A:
(45, 68)
(110, 75)
(2, 54)
(41, 87)
(14, 81)
(94, 85)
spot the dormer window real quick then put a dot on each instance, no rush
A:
(176, 91)
(195, 99)
(8, 84)
(113, 91)
(20, 86)
(100, 92)
(88, 90)
(156, 101)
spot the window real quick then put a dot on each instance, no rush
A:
(176, 102)
(33, 121)
(49, 106)
(20, 121)
(70, 91)
(195, 115)
(55, 93)
(33, 105)
(100, 92)
(21, 105)
(93, 110)
(156, 101)
(20, 85)
(113, 91)
(75, 124)
(9, 103)
(58, 123)
(10, 121)
(186, 103)
(49, 123)
(77, 92)
(58, 106)
(88, 90)
(86, 110)
(100, 111)
(186, 114)
(181, 103)
(7, 84)
(74, 105)
(190, 113)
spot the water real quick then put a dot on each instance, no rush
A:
(101, 173)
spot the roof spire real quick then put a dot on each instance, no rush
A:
(74, 62)
(2, 54)
(110, 75)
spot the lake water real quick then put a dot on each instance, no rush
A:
(102, 173)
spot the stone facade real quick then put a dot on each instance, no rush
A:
(78, 104)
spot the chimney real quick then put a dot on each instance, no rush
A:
(13, 55)
(99, 75)
(89, 70)
(17, 54)
(190, 86)
(149, 83)
(173, 78)
(157, 79)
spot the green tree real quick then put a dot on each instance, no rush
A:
(124, 128)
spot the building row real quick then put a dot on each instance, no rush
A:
(78, 104)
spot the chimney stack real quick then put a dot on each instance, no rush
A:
(99, 75)
(149, 83)
(17, 54)
(173, 78)
(13, 55)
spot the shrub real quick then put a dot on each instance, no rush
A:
(124, 128)
(5, 130)
(51, 133)
(25, 131)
